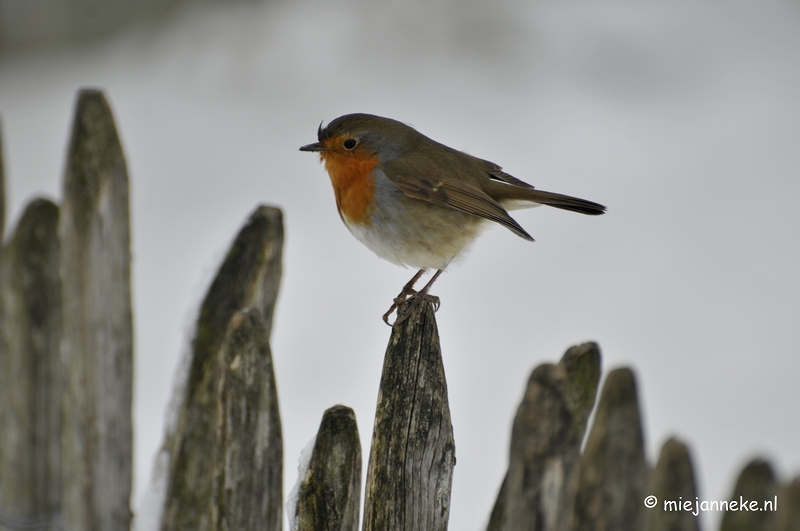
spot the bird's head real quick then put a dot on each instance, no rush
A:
(362, 136)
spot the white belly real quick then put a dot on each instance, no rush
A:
(412, 232)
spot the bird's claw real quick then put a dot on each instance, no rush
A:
(414, 299)
(414, 308)
(403, 296)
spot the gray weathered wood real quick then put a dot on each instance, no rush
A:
(2, 189)
(612, 473)
(30, 366)
(248, 278)
(498, 520)
(788, 513)
(672, 480)
(248, 488)
(329, 498)
(411, 461)
(97, 345)
(756, 483)
(583, 366)
(546, 441)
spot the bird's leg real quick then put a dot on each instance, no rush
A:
(407, 290)
(419, 298)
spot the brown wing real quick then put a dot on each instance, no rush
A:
(450, 193)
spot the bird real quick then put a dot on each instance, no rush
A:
(419, 203)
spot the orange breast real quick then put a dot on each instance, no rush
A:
(353, 185)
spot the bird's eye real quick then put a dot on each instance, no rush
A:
(350, 143)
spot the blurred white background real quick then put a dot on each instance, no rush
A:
(683, 117)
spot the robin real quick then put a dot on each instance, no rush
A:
(416, 202)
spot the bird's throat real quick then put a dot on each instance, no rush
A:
(353, 185)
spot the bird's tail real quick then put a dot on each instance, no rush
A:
(515, 197)
(567, 202)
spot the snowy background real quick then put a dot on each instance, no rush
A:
(682, 116)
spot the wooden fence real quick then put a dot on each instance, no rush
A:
(65, 400)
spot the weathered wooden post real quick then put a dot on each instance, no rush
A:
(97, 342)
(329, 497)
(2, 190)
(248, 278)
(248, 459)
(756, 483)
(672, 481)
(788, 513)
(545, 443)
(30, 367)
(411, 461)
(612, 473)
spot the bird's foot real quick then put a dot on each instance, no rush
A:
(403, 296)
(413, 300)
(411, 307)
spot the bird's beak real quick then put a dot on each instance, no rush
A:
(316, 146)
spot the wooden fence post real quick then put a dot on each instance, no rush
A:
(248, 278)
(672, 480)
(329, 497)
(30, 367)
(248, 459)
(411, 462)
(789, 509)
(755, 483)
(2, 190)
(97, 343)
(612, 473)
(545, 443)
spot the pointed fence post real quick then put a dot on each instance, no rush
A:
(788, 512)
(612, 473)
(248, 278)
(756, 484)
(2, 190)
(672, 481)
(411, 462)
(248, 460)
(30, 367)
(329, 498)
(97, 344)
(545, 443)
